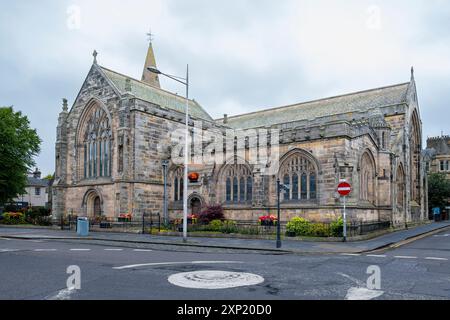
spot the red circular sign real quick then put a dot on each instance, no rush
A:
(344, 189)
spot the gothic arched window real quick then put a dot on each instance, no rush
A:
(299, 172)
(238, 183)
(95, 143)
(178, 184)
(400, 186)
(367, 184)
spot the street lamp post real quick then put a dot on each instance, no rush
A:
(285, 188)
(184, 81)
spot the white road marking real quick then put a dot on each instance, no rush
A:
(173, 263)
(358, 282)
(214, 279)
(113, 249)
(355, 293)
(142, 250)
(442, 235)
(62, 294)
(405, 257)
(435, 258)
(8, 250)
(80, 249)
(377, 255)
(360, 292)
(7, 239)
(44, 250)
(351, 254)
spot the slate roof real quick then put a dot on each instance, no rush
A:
(354, 102)
(441, 145)
(146, 92)
(35, 182)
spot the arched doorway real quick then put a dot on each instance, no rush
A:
(195, 205)
(97, 207)
(92, 204)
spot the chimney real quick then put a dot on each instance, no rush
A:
(225, 118)
(37, 174)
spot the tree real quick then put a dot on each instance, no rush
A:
(19, 144)
(50, 176)
(438, 190)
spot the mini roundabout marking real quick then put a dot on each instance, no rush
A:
(214, 279)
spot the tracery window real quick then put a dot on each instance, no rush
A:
(367, 189)
(299, 172)
(238, 182)
(178, 184)
(95, 140)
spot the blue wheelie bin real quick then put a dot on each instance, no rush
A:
(83, 226)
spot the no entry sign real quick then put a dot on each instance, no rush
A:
(344, 189)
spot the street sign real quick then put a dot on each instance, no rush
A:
(344, 189)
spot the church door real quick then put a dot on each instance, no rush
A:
(97, 207)
(196, 206)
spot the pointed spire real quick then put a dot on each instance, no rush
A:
(150, 61)
(412, 73)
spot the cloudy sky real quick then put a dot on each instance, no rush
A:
(244, 55)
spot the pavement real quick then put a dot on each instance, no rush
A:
(40, 268)
(288, 246)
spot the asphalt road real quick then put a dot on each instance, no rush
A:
(36, 269)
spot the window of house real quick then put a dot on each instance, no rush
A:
(37, 191)
(445, 165)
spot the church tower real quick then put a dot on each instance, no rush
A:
(150, 61)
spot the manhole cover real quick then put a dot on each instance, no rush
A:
(214, 279)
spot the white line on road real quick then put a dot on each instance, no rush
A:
(8, 250)
(405, 257)
(80, 249)
(435, 258)
(173, 263)
(62, 294)
(377, 255)
(351, 254)
(142, 250)
(442, 235)
(113, 249)
(44, 250)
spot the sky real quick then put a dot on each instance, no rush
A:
(243, 55)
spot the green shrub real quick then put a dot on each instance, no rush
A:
(215, 225)
(13, 218)
(302, 227)
(229, 226)
(299, 226)
(319, 230)
(337, 227)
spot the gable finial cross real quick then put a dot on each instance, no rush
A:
(150, 36)
(94, 54)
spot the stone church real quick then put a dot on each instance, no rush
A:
(112, 142)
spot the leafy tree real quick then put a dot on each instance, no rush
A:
(438, 190)
(49, 176)
(18, 146)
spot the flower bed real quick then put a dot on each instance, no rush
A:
(268, 220)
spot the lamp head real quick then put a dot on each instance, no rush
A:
(153, 70)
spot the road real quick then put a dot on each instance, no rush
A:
(36, 269)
